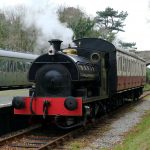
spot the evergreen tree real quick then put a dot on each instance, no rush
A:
(78, 21)
(110, 22)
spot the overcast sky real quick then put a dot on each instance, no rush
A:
(137, 27)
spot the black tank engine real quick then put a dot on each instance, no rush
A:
(63, 73)
(75, 85)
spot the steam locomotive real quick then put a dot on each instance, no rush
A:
(74, 85)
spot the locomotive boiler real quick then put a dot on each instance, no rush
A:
(74, 85)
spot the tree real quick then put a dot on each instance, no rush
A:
(82, 28)
(78, 21)
(70, 15)
(13, 34)
(127, 45)
(148, 75)
(3, 29)
(110, 22)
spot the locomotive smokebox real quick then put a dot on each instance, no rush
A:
(56, 43)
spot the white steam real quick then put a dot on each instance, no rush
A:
(43, 15)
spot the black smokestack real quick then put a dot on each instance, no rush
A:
(56, 43)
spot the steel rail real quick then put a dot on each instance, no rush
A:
(18, 135)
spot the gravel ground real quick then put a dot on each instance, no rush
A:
(119, 125)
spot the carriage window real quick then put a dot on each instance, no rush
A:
(24, 67)
(123, 64)
(28, 65)
(120, 63)
(15, 66)
(19, 66)
(1, 64)
(128, 66)
(5, 66)
(11, 66)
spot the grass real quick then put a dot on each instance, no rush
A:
(76, 146)
(138, 138)
(146, 87)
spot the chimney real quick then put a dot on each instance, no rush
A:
(56, 43)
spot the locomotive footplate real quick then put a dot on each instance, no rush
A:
(66, 106)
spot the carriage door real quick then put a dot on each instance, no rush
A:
(104, 74)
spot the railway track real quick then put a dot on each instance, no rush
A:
(38, 138)
(35, 138)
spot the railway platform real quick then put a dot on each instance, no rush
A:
(8, 121)
(6, 96)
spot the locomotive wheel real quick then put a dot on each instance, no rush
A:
(53, 80)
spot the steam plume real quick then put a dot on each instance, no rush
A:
(43, 15)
